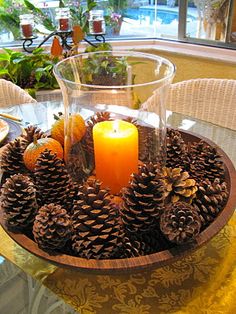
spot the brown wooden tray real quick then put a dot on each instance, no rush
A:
(149, 261)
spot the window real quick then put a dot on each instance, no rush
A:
(210, 22)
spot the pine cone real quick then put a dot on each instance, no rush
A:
(87, 140)
(179, 186)
(205, 162)
(144, 243)
(129, 248)
(175, 149)
(52, 180)
(52, 228)
(180, 223)
(210, 200)
(12, 157)
(18, 201)
(95, 223)
(143, 200)
(32, 131)
(147, 144)
(77, 164)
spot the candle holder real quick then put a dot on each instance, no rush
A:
(66, 40)
(123, 96)
(96, 22)
(63, 18)
(27, 25)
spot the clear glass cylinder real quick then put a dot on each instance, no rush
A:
(121, 96)
(26, 25)
(63, 18)
(96, 22)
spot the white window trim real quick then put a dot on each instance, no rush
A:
(175, 47)
(198, 51)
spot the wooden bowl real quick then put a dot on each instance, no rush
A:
(149, 261)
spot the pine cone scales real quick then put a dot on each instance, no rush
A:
(211, 198)
(77, 164)
(52, 228)
(143, 243)
(87, 141)
(147, 143)
(12, 157)
(32, 131)
(179, 186)
(96, 228)
(129, 248)
(52, 179)
(143, 200)
(180, 223)
(18, 201)
(206, 162)
(175, 149)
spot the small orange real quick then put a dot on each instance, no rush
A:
(33, 150)
(76, 127)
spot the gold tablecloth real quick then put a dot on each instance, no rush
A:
(202, 282)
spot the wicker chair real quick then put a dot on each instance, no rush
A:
(11, 94)
(211, 100)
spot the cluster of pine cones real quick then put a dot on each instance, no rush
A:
(159, 209)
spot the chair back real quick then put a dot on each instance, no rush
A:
(11, 94)
(211, 100)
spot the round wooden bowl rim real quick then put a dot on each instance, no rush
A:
(148, 261)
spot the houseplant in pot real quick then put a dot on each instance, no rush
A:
(104, 68)
(115, 15)
(32, 72)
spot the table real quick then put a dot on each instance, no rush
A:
(202, 282)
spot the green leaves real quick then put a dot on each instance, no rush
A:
(104, 65)
(61, 4)
(12, 23)
(91, 4)
(30, 71)
(80, 16)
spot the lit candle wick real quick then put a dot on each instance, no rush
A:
(115, 126)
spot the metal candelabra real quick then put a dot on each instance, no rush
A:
(64, 36)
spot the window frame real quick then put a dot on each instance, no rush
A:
(182, 29)
(182, 36)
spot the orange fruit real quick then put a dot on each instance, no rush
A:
(76, 127)
(33, 150)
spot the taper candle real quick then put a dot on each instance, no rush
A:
(116, 153)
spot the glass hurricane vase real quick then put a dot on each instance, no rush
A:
(121, 97)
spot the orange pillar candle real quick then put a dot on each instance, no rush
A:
(116, 153)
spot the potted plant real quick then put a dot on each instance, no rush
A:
(102, 68)
(32, 72)
(114, 18)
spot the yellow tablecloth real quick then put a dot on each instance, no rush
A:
(203, 282)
